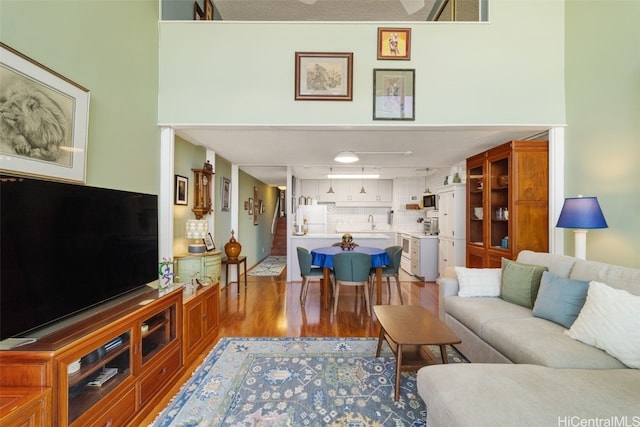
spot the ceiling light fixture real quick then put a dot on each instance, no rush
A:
(330, 191)
(346, 157)
(362, 191)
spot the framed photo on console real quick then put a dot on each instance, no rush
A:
(208, 242)
(49, 139)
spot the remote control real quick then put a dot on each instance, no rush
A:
(105, 375)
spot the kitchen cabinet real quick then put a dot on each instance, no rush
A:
(205, 267)
(137, 338)
(407, 190)
(201, 321)
(452, 224)
(507, 202)
(424, 257)
(378, 192)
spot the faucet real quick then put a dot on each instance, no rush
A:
(370, 219)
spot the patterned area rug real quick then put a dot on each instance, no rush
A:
(270, 266)
(297, 382)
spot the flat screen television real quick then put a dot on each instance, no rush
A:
(66, 248)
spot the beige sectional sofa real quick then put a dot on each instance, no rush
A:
(526, 370)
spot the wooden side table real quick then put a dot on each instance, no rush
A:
(238, 261)
(408, 329)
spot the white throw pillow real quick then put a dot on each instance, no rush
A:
(610, 321)
(479, 282)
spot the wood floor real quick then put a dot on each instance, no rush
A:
(271, 308)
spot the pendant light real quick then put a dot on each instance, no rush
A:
(362, 190)
(330, 191)
(426, 189)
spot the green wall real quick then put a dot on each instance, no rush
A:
(603, 113)
(509, 71)
(111, 48)
(186, 156)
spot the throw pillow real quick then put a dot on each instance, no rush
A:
(478, 282)
(520, 282)
(560, 299)
(609, 320)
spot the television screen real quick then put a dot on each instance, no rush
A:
(66, 248)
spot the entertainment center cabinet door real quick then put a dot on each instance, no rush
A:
(201, 320)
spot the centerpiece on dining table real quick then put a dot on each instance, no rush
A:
(347, 242)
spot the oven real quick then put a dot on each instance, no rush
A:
(405, 260)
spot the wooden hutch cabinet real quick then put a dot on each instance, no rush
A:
(138, 340)
(507, 202)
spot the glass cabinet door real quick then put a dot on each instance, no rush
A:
(499, 202)
(476, 204)
(157, 332)
(95, 373)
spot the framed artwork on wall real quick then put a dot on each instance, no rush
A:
(324, 76)
(251, 206)
(225, 194)
(393, 94)
(198, 13)
(257, 207)
(208, 10)
(394, 43)
(48, 139)
(182, 190)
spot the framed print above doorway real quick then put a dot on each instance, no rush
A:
(393, 94)
(324, 76)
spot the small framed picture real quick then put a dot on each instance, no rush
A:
(393, 94)
(394, 43)
(208, 242)
(208, 10)
(182, 189)
(225, 202)
(251, 206)
(324, 76)
(198, 14)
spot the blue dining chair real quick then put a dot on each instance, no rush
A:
(307, 272)
(351, 269)
(389, 271)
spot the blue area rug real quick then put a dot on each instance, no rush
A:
(270, 266)
(297, 382)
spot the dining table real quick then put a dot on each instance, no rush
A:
(323, 257)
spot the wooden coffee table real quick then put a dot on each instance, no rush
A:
(409, 329)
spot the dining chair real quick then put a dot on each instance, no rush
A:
(389, 271)
(307, 272)
(351, 269)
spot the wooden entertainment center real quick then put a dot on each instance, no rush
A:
(139, 340)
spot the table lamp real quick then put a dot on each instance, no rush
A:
(197, 230)
(581, 213)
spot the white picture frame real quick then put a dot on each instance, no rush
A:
(55, 148)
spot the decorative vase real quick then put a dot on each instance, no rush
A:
(232, 248)
(456, 178)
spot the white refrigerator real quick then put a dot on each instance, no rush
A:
(316, 216)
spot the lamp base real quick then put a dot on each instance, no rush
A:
(197, 248)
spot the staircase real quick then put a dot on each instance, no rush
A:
(279, 247)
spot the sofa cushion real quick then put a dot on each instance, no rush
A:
(610, 320)
(540, 342)
(560, 299)
(520, 282)
(560, 265)
(478, 282)
(488, 395)
(474, 312)
(613, 275)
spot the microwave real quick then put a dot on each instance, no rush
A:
(430, 202)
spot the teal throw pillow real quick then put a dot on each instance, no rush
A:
(560, 299)
(520, 282)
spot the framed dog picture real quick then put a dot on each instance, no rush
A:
(47, 134)
(394, 43)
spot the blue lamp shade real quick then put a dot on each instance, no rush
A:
(581, 212)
